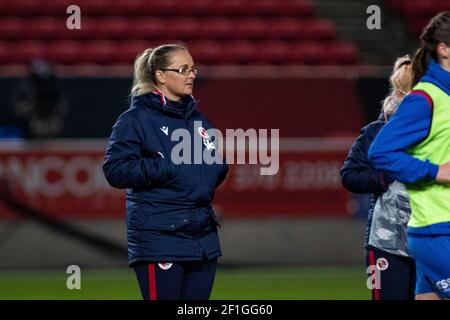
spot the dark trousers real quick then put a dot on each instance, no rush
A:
(191, 280)
(397, 275)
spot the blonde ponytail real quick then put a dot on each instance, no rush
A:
(142, 82)
(400, 81)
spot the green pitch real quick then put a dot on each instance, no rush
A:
(290, 283)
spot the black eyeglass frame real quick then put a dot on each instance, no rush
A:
(182, 71)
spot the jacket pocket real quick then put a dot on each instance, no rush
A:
(164, 222)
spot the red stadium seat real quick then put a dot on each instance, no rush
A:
(11, 28)
(88, 30)
(206, 52)
(129, 8)
(26, 51)
(339, 53)
(286, 8)
(197, 7)
(128, 50)
(148, 28)
(182, 28)
(95, 7)
(54, 7)
(63, 52)
(216, 28)
(230, 8)
(161, 8)
(5, 52)
(113, 28)
(19, 8)
(286, 28)
(296, 8)
(274, 52)
(240, 52)
(307, 52)
(220, 30)
(45, 28)
(319, 30)
(251, 29)
(264, 7)
(98, 52)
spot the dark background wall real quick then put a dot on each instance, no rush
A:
(298, 107)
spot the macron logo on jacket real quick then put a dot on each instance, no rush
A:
(165, 130)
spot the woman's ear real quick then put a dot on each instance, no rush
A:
(443, 50)
(160, 76)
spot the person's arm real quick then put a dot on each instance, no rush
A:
(125, 166)
(407, 127)
(358, 175)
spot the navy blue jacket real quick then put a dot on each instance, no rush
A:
(358, 175)
(168, 207)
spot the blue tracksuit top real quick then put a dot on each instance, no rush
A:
(169, 214)
(408, 127)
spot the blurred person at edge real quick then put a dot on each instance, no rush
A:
(39, 103)
(173, 242)
(387, 257)
(414, 148)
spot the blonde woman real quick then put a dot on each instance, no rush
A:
(173, 242)
(388, 261)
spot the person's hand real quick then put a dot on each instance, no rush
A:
(443, 174)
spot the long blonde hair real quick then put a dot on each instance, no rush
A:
(148, 62)
(400, 85)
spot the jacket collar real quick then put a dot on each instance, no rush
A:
(156, 99)
(438, 76)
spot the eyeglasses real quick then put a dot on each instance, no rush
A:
(183, 71)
